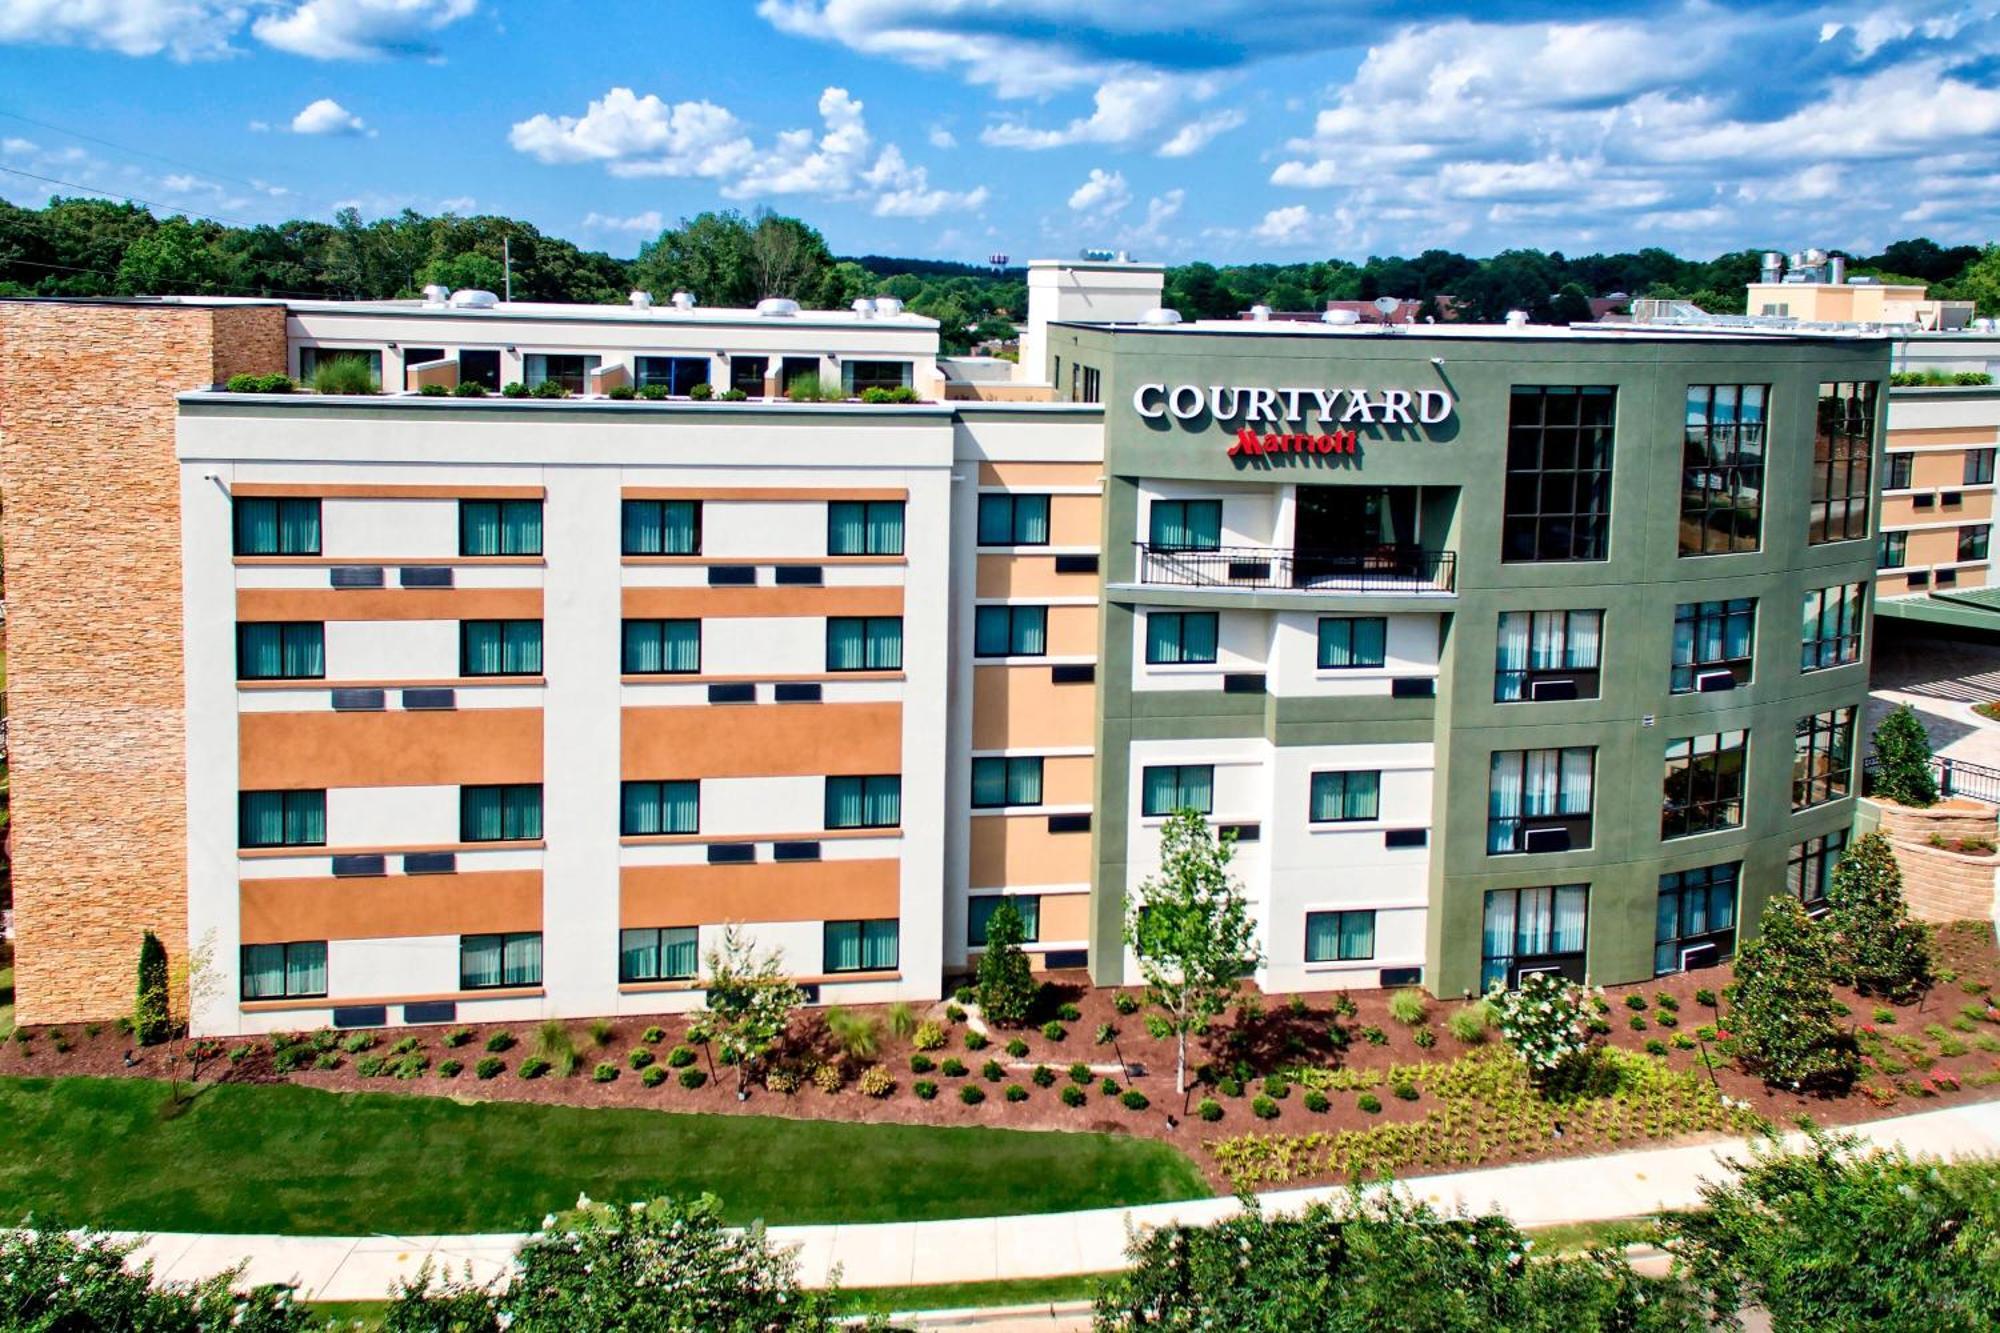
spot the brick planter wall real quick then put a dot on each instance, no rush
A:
(1943, 885)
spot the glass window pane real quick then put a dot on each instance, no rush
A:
(1031, 520)
(638, 955)
(996, 520)
(846, 643)
(989, 782)
(843, 946)
(1357, 936)
(846, 528)
(478, 527)
(479, 961)
(1198, 635)
(679, 959)
(885, 527)
(522, 963)
(263, 971)
(305, 968)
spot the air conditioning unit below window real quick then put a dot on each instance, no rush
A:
(1699, 956)
(1545, 691)
(1717, 678)
(1554, 839)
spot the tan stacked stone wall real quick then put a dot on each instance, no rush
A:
(1942, 885)
(91, 535)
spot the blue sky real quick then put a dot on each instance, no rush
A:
(1222, 129)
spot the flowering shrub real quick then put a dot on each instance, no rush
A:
(57, 1280)
(1547, 1023)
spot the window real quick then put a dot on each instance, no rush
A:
(1340, 937)
(499, 527)
(661, 647)
(1339, 798)
(746, 374)
(500, 647)
(1533, 930)
(1166, 788)
(1536, 647)
(1704, 783)
(654, 809)
(665, 954)
(979, 910)
(871, 527)
(792, 369)
(281, 819)
(861, 946)
(569, 370)
(1830, 626)
(477, 366)
(1180, 637)
(864, 643)
(1895, 550)
(864, 802)
(1713, 636)
(1010, 631)
(1352, 643)
(1002, 781)
(1093, 386)
(1972, 541)
(417, 356)
(1822, 757)
(510, 812)
(276, 527)
(1900, 467)
(1843, 452)
(1809, 870)
(857, 377)
(662, 527)
(675, 374)
(1979, 467)
(1557, 504)
(486, 962)
(1697, 908)
(294, 971)
(1722, 468)
(1543, 789)
(1186, 525)
(312, 358)
(1013, 520)
(289, 651)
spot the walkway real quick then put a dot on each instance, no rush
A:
(1580, 1189)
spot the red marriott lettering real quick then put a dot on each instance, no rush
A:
(1250, 442)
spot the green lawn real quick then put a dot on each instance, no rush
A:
(280, 1158)
(6, 1002)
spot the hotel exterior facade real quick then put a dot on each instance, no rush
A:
(1490, 654)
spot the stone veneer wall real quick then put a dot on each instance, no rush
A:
(91, 533)
(1943, 885)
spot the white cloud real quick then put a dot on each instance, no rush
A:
(941, 137)
(648, 223)
(640, 136)
(800, 163)
(360, 29)
(183, 29)
(327, 116)
(1103, 193)
(1194, 136)
(1290, 225)
(1125, 109)
(458, 206)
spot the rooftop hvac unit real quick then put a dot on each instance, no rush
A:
(864, 308)
(683, 300)
(1714, 679)
(641, 300)
(1342, 317)
(1160, 315)
(471, 298)
(777, 307)
(1543, 691)
(1554, 838)
(1517, 319)
(436, 295)
(889, 306)
(1550, 970)
(1260, 313)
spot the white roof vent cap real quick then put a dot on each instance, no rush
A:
(683, 300)
(864, 308)
(641, 300)
(777, 307)
(471, 298)
(1160, 315)
(1342, 317)
(1517, 319)
(1260, 313)
(889, 306)
(436, 295)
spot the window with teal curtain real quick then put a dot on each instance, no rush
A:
(648, 809)
(1180, 637)
(662, 647)
(662, 527)
(1348, 642)
(1010, 631)
(870, 527)
(1000, 781)
(861, 946)
(1340, 937)
(1166, 788)
(284, 971)
(499, 527)
(666, 954)
(501, 813)
(864, 643)
(288, 651)
(1340, 797)
(1013, 520)
(981, 908)
(500, 647)
(276, 526)
(487, 961)
(1186, 525)
(281, 819)
(305, 968)
(864, 802)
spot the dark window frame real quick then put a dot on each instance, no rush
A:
(1016, 616)
(1823, 647)
(1713, 784)
(869, 543)
(860, 926)
(500, 508)
(1570, 963)
(1507, 834)
(1345, 775)
(1839, 502)
(657, 627)
(465, 628)
(1716, 452)
(1180, 619)
(286, 815)
(1711, 621)
(625, 829)
(1007, 768)
(1584, 674)
(629, 976)
(287, 630)
(243, 970)
(625, 527)
(1822, 758)
(240, 507)
(1321, 644)
(510, 813)
(1547, 458)
(1146, 809)
(1682, 886)
(991, 503)
(1811, 863)
(868, 625)
(1340, 935)
(869, 791)
(1975, 541)
(506, 939)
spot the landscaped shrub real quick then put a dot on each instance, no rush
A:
(1405, 1090)
(345, 375)
(925, 1089)
(327, 1060)
(992, 1072)
(780, 1079)
(1054, 1031)
(491, 1066)
(1134, 1100)
(680, 1057)
(1654, 1046)
(469, 389)
(652, 1076)
(1208, 1109)
(953, 1067)
(1275, 1085)
(1125, 1003)
(371, 1066)
(1043, 1077)
(1109, 1086)
(556, 1048)
(975, 1041)
(606, 1072)
(964, 994)
(828, 1078)
(1229, 1087)
(1469, 1023)
(1263, 1107)
(953, 1014)
(1069, 1013)
(1903, 754)
(1681, 1041)
(601, 1031)
(1316, 1102)
(1079, 1074)
(1006, 987)
(972, 1094)
(902, 1020)
(357, 1042)
(639, 1057)
(1638, 1022)
(405, 1046)
(533, 1067)
(1374, 1036)
(732, 395)
(1705, 996)
(875, 1081)
(902, 393)
(922, 1064)
(450, 1068)
(702, 392)
(1876, 945)
(55, 1281)
(929, 1036)
(1635, 1002)
(1016, 1093)
(549, 389)
(284, 1059)
(1547, 1023)
(409, 1066)
(1407, 1006)
(150, 1023)
(500, 1041)
(1782, 1006)
(858, 1036)
(1017, 1049)
(1665, 1000)
(692, 1078)
(433, 391)
(1369, 1102)
(1425, 1038)
(514, 389)
(1666, 1020)
(1071, 1095)
(1106, 1034)
(456, 1038)
(622, 392)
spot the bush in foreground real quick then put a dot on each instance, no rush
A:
(58, 1281)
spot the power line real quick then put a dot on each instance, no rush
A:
(136, 152)
(128, 198)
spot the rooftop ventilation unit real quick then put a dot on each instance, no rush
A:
(1517, 319)
(888, 306)
(435, 295)
(777, 307)
(1160, 315)
(864, 308)
(683, 300)
(641, 300)
(1342, 317)
(1260, 313)
(471, 298)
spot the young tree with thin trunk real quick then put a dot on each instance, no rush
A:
(1191, 929)
(749, 1006)
(1875, 943)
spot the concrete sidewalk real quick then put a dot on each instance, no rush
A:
(1579, 1189)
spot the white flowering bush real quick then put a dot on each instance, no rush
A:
(1547, 1024)
(79, 1280)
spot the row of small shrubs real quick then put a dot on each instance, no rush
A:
(1916, 379)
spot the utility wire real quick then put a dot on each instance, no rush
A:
(128, 198)
(136, 152)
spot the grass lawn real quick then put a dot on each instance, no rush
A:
(6, 1001)
(278, 1158)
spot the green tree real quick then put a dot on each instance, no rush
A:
(151, 1021)
(467, 270)
(1191, 930)
(789, 258)
(749, 1005)
(1571, 305)
(1903, 759)
(1784, 1017)
(1876, 944)
(1979, 282)
(1006, 988)
(174, 259)
(1838, 1238)
(53, 1281)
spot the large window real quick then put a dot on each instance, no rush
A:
(979, 911)
(295, 971)
(1822, 757)
(281, 819)
(1696, 922)
(861, 946)
(505, 812)
(1843, 453)
(1166, 788)
(499, 527)
(1722, 468)
(864, 527)
(1809, 870)
(747, 374)
(1340, 937)
(1547, 655)
(1895, 550)
(1186, 525)
(487, 962)
(662, 527)
(1180, 637)
(1352, 643)
(276, 527)
(661, 647)
(1013, 520)
(570, 370)
(675, 374)
(1901, 467)
(1830, 626)
(1010, 631)
(1339, 798)
(312, 358)
(500, 647)
(999, 781)
(1973, 540)
(653, 809)
(1704, 783)
(864, 802)
(864, 643)
(1713, 636)
(1978, 467)
(665, 954)
(1558, 496)
(860, 376)
(1540, 800)
(1533, 930)
(293, 650)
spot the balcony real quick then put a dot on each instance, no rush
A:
(1387, 570)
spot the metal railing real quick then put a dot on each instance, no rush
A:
(1955, 777)
(1375, 569)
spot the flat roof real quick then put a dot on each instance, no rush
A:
(1491, 332)
(659, 313)
(1974, 609)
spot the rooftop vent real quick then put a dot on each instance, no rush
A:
(471, 298)
(888, 306)
(1517, 319)
(1160, 315)
(1342, 316)
(641, 300)
(683, 300)
(864, 308)
(1260, 313)
(777, 307)
(436, 295)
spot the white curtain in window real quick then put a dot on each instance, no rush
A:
(1539, 785)
(1584, 627)
(1511, 658)
(1576, 765)
(1571, 905)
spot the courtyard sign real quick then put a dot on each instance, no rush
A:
(1343, 407)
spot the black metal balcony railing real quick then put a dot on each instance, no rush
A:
(1955, 777)
(1376, 569)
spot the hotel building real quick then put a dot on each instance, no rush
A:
(1496, 649)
